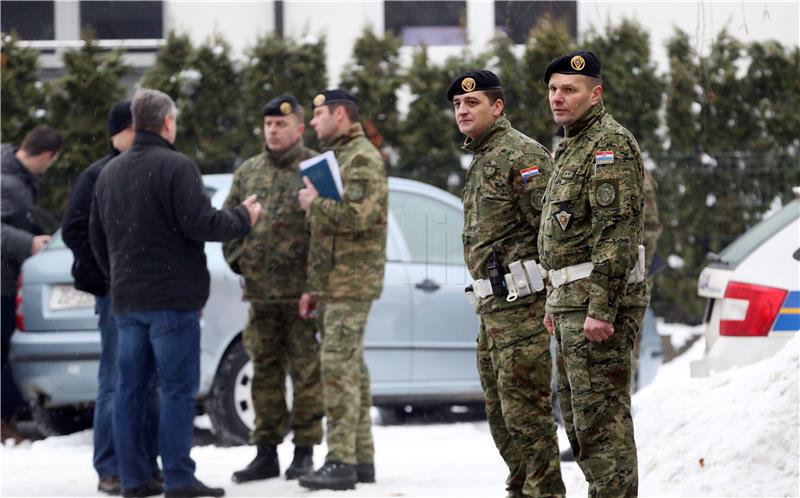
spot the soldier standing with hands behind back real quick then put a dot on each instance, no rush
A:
(272, 259)
(502, 205)
(591, 230)
(345, 274)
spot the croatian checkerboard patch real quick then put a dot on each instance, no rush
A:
(528, 173)
(604, 157)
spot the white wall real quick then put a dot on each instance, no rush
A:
(747, 21)
(239, 22)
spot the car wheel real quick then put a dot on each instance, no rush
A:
(62, 420)
(229, 405)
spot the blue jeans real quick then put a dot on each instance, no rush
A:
(105, 458)
(167, 340)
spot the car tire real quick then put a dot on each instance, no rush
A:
(62, 420)
(229, 405)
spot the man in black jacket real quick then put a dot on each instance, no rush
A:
(150, 218)
(88, 277)
(21, 238)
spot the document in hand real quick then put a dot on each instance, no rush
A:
(323, 171)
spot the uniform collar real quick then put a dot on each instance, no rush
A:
(289, 157)
(350, 134)
(593, 114)
(482, 141)
(146, 137)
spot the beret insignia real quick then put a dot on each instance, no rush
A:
(577, 63)
(468, 84)
(319, 100)
(286, 108)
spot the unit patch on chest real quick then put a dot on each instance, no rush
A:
(563, 217)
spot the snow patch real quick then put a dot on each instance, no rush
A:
(676, 262)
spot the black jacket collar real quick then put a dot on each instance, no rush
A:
(148, 138)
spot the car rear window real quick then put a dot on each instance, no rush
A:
(751, 239)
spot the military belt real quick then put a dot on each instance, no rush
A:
(523, 278)
(580, 271)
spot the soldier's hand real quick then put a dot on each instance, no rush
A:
(548, 323)
(253, 208)
(307, 307)
(597, 330)
(307, 195)
(39, 241)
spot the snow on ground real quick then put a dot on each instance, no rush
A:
(742, 425)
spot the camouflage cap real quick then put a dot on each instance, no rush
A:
(583, 62)
(335, 96)
(472, 81)
(282, 105)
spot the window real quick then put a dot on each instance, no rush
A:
(517, 18)
(31, 20)
(432, 229)
(429, 23)
(123, 20)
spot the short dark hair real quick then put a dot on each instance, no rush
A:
(149, 108)
(494, 95)
(592, 82)
(350, 108)
(42, 139)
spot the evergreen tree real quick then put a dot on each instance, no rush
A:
(428, 152)
(515, 80)
(632, 90)
(22, 101)
(172, 58)
(79, 106)
(278, 66)
(549, 39)
(210, 111)
(373, 76)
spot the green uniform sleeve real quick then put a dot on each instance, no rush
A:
(233, 248)
(528, 191)
(652, 224)
(616, 200)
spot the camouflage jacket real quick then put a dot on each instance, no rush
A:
(348, 238)
(273, 257)
(502, 207)
(593, 212)
(652, 225)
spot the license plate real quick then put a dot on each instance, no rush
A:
(66, 297)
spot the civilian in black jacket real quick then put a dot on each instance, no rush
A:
(90, 278)
(150, 218)
(21, 238)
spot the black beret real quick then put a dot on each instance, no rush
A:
(336, 96)
(119, 117)
(471, 81)
(282, 105)
(583, 62)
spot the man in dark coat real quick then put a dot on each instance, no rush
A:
(89, 278)
(150, 218)
(21, 238)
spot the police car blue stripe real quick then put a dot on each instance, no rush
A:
(792, 300)
(787, 323)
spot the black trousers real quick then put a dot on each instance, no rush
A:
(11, 400)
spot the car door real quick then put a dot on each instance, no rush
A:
(444, 324)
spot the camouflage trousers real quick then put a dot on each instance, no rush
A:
(277, 340)
(594, 394)
(345, 382)
(515, 369)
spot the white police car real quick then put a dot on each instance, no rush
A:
(753, 291)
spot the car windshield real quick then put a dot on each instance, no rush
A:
(756, 236)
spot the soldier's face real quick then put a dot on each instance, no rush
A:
(475, 113)
(282, 132)
(324, 123)
(570, 96)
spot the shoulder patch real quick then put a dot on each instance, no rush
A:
(537, 198)
(605, 193)
(604, 157)
(355, 190)
(529, 172)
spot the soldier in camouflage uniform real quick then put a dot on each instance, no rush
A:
(272, 259)
(589, 240)
(346, 263)
(502, 207)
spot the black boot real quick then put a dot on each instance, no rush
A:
(263, 466)
(365, 472)
(149, 488)
(332, 475)
(194, 490)
(302, 464)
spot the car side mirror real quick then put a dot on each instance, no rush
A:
(796, 255)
